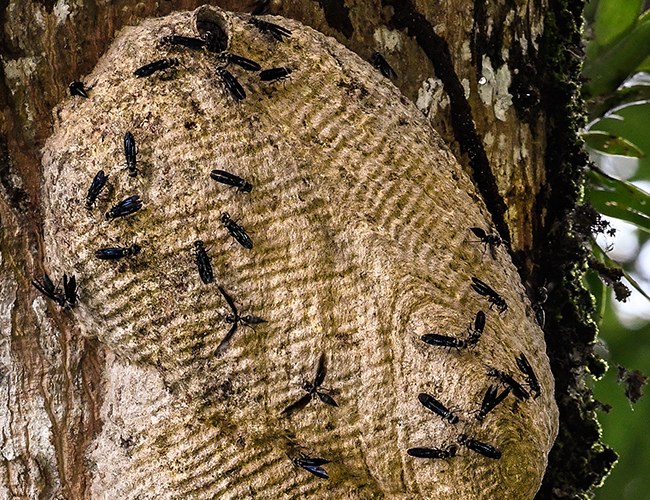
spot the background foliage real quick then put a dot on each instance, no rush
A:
(617, 89)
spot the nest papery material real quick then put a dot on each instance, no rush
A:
(359, 217)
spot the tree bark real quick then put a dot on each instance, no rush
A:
(93, 411)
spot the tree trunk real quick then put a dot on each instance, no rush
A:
(130, 395)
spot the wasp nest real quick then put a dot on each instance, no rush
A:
(358, 221)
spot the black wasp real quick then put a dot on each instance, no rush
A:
(184, 41)
(47, 288)
(117, 252)
(231, 180)
(67, 299)
(242, 62)
(542, 293)
(277, 32)
(77, 88)
(95, 188)
(433, 452)
(483, 449)
(129, 153)
(312, 465)
(493, 297)
(531, 378)
(126, 207)
(490, 401)
(236, 231)
(151, 68)
(517, 389)
(210, 31)
(269, 75)
(537, 299)
(443, 341)
(437, 407)
(236, 319)
(203, 263)
(479, 326)
(215, 38)
(379, 62)
(236, 90)
(70, 291)
(491, 240)
(312, 388)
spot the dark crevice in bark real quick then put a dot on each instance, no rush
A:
(337, 15)
(20, 201)
(436, 48)
(48, 4)
(8, 47)
(487, 36)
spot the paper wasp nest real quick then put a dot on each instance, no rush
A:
(360, 222)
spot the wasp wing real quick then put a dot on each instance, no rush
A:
(298, 405)
(230, 302)
(224, 343)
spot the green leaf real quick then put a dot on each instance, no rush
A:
(645, 65)
(611, 144)
(614, 17)
(609, 69)
(616, 101)
(616, 198)
(633, 127)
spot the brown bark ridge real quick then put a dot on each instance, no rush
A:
(359, 217)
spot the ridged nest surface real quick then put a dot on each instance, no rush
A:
(360, 222)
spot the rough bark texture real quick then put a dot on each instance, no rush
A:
(66, 390)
